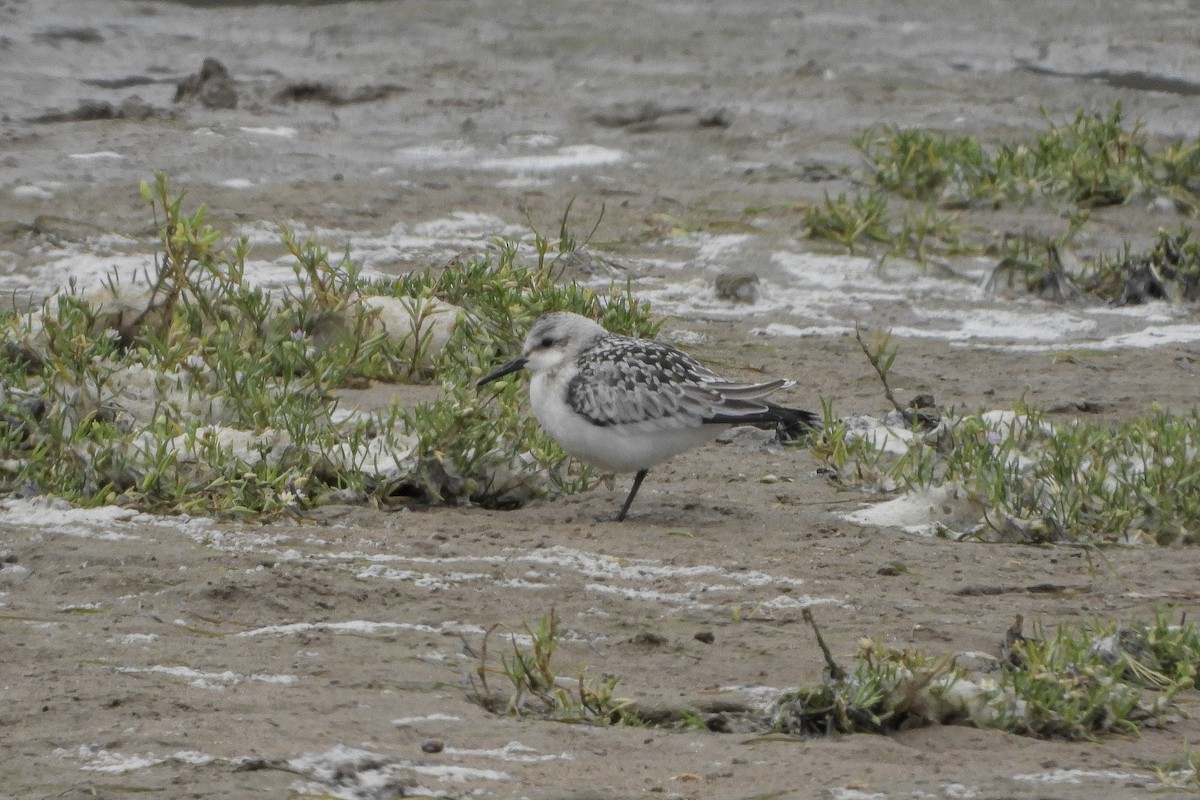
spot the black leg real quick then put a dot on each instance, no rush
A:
(637, 484)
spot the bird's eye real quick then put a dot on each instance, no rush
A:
(546, 342)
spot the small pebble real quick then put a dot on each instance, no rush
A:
(737, 287)
(649, 639)
(432, 746)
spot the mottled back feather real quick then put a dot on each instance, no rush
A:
(624, 381)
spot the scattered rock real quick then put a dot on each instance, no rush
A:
(737, 287)
(816, 173)
(121, 83)
(12, 576)
(133, 395)
(318, 92)
(388, 459)
(195, 449)
(351, 772)
(56, 34)
(928, 422)
(432, 746)
(715, 118)
(56, 230)
(705, 636)
(132, 107)
(723, 704)
(1136, 79)
(592, 264)
(12, 231)
(662, 715)
(420, 327)
(635, 114)
(650, 115)
(1077, 407)
(1168, 271)
(85, 111)
(891, 435)
(212, 86)
(922, 401)
(121, 309)
(718, 723)
(649, 639)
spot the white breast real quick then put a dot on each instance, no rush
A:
(626, 447)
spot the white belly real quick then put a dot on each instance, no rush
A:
(615, 448)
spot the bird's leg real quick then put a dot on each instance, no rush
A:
(637, 484)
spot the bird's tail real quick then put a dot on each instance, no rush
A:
(789, 423)
(793, 423)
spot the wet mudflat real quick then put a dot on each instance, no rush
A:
(321, 658)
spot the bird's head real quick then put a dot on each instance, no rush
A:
(555, 339)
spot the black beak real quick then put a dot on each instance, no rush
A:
(511, 366)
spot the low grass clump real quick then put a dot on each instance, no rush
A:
(849, 221)
(921, 183)
(1022, 479)
(865, 221)
(1081, 683)
(1169, 269)
(1077, 482)
(1026, 480)
(190, 389)
(1075, 683)
(920, 165)
(1182, 773)
(1094, 160)
(539, 687)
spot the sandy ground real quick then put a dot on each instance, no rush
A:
(189, 658)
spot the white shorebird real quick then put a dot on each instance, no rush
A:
(626, 405)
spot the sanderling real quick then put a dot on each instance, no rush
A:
(626, 405)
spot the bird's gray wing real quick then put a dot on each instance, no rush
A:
(629, 381)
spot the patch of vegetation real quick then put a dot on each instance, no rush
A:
(1075, 684)
(864, 220)
(1182, 773)
(849, 221)
(1169, 270)
(921, 165)
(538, 686)
(925, 233)
(1077, 482)
(1094, 160)
(190, 389)
(1026, 480)
(1034, 265)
